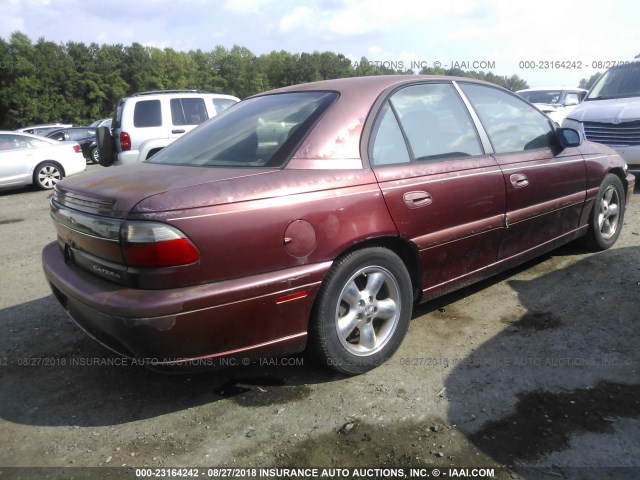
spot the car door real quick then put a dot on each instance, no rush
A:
(15, 160)
(443, 192)
(186, 114)
(545, 184)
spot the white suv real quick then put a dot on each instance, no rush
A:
(146, 122)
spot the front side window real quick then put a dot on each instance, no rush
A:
(512, 124)
(14, 142)
(80, 134)
(571, 98)
(258, 132)
(147, 113)
(188, 111)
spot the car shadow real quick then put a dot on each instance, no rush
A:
(52, 374)
(562, 371)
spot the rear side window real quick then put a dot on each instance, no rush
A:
(259, 132)
(147, 113)
(388, 145)
(188, 111)
(512, 124)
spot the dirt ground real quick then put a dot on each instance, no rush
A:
(538, 367)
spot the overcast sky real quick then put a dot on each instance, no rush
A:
(397, 32)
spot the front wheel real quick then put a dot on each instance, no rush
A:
(607, 215)
(95, 155)
(362, 311)
(47, 175)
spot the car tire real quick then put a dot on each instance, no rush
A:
(47, 174)
(104, 140)
(607, 214)
(95, 155)
(362, 311)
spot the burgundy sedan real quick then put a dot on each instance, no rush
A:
(315, 216)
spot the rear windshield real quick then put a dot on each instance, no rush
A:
(618, 82)
(258, 132)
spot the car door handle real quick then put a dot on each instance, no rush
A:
(177, 131)
(519, 180)
(417, 199)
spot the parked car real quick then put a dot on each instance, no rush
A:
(555, 102)
(146, 122)
(610, 113)
(317, 215)
(42, 129)
(85, 136)
(105, 122)
(29, 159)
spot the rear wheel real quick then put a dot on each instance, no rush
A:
(362, 311)
(47, 175)
(95, 155)
(607, 214)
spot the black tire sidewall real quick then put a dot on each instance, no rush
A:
(324, 334)
(595, 237)
(104, 141)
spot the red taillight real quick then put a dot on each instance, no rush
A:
(77, 149)
(151, 244)
(125, 141)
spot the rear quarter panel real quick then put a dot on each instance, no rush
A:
(298, 217)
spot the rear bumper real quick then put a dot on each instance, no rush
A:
(244, 318)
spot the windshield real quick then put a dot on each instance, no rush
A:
(619, 82)
(258, 132)
(542, 96)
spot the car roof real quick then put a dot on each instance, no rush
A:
(337, 135)
(179, 93)
(74, 128)
(376, 83)
(57, 130)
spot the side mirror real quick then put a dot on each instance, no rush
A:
(568, 137)
(571, 101)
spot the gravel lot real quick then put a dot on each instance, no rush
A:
(538, 367)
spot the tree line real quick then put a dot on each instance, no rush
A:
(46, 82)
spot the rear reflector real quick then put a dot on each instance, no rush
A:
(77, 149)
(151, 244)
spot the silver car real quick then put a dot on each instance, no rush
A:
(610, 113)
(29, 159)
